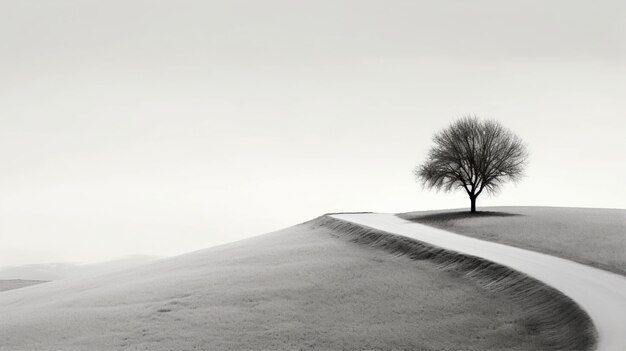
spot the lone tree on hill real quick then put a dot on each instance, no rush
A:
(474, 155)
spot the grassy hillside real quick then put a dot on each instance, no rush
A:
(587, 235)
(299, 288)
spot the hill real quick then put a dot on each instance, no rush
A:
(10, 284)
(298, 288)
(592, 236)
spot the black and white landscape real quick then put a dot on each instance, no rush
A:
(448, 175)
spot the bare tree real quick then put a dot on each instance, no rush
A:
(473, 155)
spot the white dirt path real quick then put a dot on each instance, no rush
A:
(600, 293)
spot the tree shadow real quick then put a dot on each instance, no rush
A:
(450, 216)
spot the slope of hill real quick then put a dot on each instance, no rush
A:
(592, 236)
(299, 288)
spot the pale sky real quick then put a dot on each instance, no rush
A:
(161, 127)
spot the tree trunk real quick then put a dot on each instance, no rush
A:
(473, 199)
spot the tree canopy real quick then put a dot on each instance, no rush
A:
(474, 155)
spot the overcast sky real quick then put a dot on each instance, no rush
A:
(160, 127)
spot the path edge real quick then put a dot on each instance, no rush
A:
(555, 317)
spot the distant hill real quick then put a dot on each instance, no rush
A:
(10, 284)
(56, 271)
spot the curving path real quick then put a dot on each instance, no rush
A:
(600, 293)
